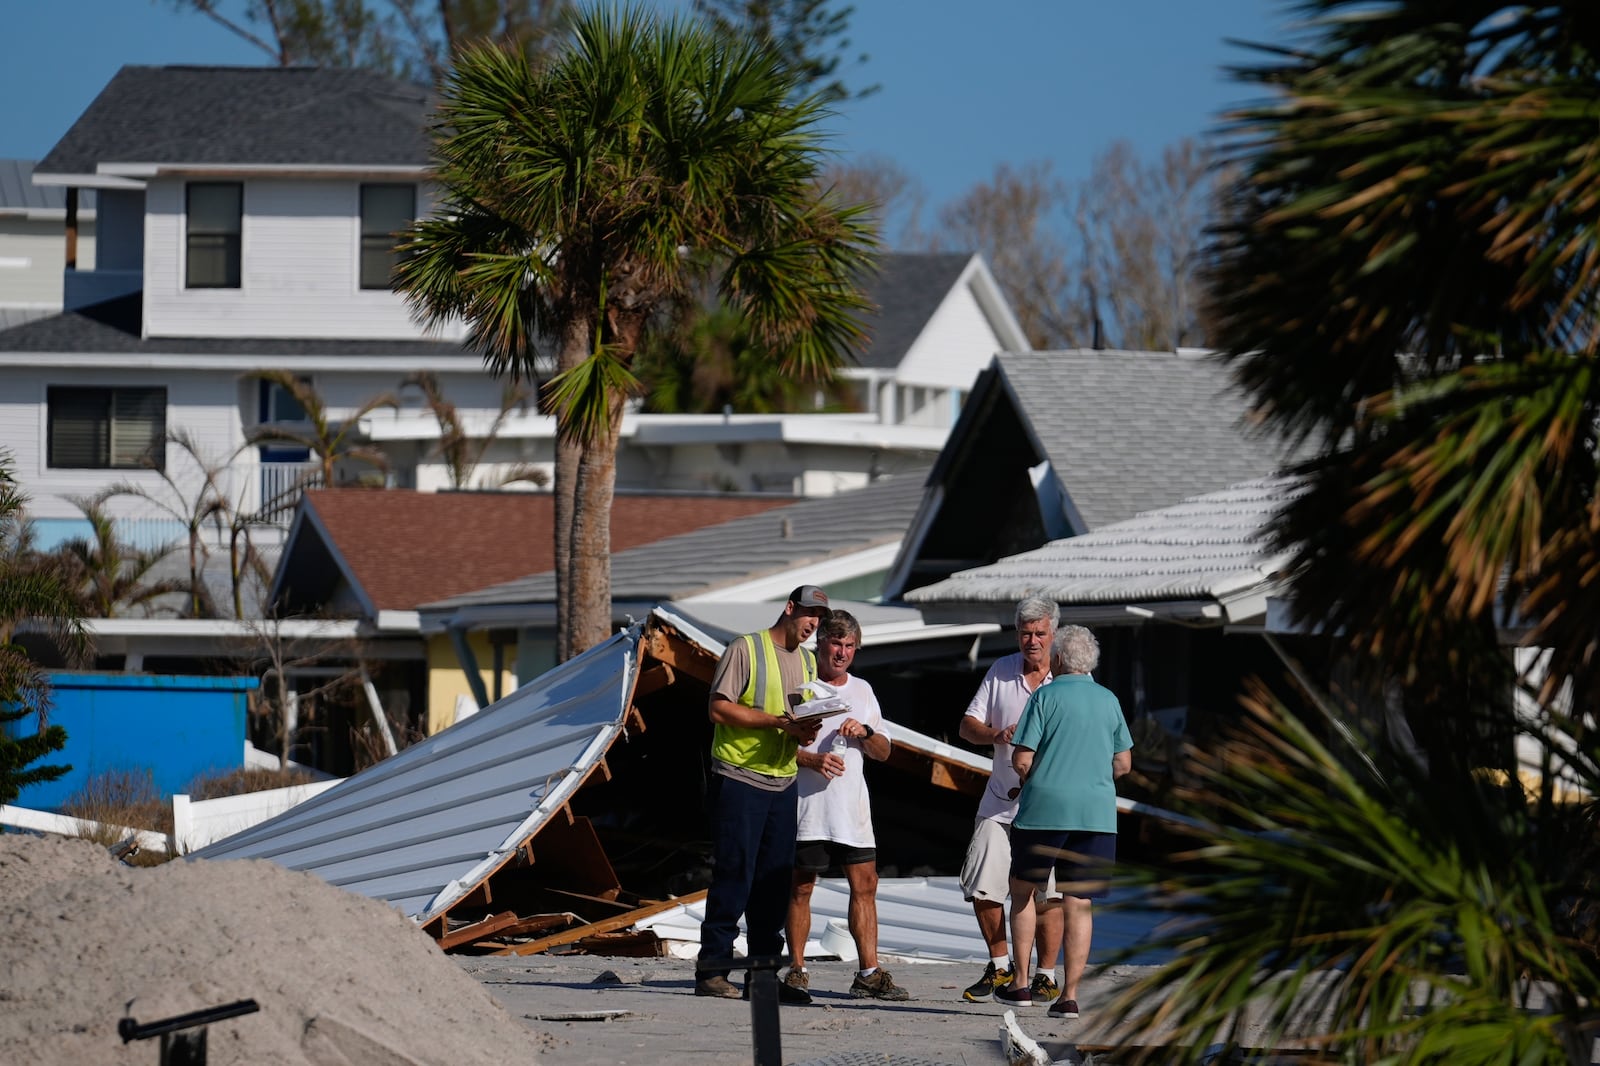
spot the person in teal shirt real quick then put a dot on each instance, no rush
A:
(1071, 745)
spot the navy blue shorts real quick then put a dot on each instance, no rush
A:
(1082, 861)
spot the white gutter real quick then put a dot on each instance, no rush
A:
(294, 628)
(266, 170)
(87, 181)
(245, 362)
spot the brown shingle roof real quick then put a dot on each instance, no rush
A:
(407, 548)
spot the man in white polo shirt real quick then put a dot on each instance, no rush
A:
(991, 719)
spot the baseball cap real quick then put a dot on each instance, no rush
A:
(808, 596)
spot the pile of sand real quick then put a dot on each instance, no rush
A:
(341, 980)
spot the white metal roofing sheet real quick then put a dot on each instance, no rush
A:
(422, 828)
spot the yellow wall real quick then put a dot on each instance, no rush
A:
(446, 679)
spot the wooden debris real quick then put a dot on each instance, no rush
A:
(609, 925)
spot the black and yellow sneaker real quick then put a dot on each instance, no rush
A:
(984, 989)
(1044, 987)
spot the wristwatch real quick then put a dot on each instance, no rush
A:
(871, 732)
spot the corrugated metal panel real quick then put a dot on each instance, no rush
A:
(1206, 547)
(421, 829)
(919, 918)
(19, 193)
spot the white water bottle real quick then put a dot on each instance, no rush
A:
(840, 745)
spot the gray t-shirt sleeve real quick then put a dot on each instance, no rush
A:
(733, 672)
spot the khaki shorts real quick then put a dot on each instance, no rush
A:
(986, 871)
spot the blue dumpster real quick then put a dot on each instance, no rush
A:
(174, 726)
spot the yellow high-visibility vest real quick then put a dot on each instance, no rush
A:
(765, 751)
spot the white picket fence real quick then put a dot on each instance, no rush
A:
(196, 823)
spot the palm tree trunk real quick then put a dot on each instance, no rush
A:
(591, 537)
(574, 349)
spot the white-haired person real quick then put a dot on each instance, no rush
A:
(1068, 750)
(991, 719)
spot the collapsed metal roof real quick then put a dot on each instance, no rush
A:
(426, 828)
(422, 829)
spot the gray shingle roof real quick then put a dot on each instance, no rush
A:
(1205, 548)
(1132, 431)
(16, 316)
(907, 289)
(739, 550)
(113, 326)
(247, 115)
(19, 193)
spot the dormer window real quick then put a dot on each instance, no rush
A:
(215, 211)
(386, 209)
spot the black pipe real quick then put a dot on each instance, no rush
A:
(129, 1029)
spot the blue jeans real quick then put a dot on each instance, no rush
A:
(752, 841)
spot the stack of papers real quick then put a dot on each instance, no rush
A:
(824, 702)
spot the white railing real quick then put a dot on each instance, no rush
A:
(67, 826)
(196, 823)
(281, 487)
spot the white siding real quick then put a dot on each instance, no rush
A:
(300, 244)
(801, 469)
(955, 346)
(204, 404)
(33, 255)
(474, 395)
(217, 409)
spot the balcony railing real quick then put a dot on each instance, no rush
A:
(281, 487)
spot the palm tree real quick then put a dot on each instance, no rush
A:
(1409, 283)
(706, 362)
(110, 576)
(34, 594)
(582, 198)
(329, 440)
(460, 449)
(193, 498)
(1364, 908)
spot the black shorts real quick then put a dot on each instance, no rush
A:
(816, 856)
(1082, 861)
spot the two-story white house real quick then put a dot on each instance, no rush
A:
(245, 222)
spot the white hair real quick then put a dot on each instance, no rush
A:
(1075, 650)
(1034, 608)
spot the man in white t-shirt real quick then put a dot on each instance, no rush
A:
(991, 719)
(835, 817)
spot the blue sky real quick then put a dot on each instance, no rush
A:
(964, 86)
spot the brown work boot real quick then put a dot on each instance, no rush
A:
(798, 979)
(716, 986)
(879, 985)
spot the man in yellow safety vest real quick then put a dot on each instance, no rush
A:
(753, 798)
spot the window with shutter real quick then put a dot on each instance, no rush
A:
(106, 428)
